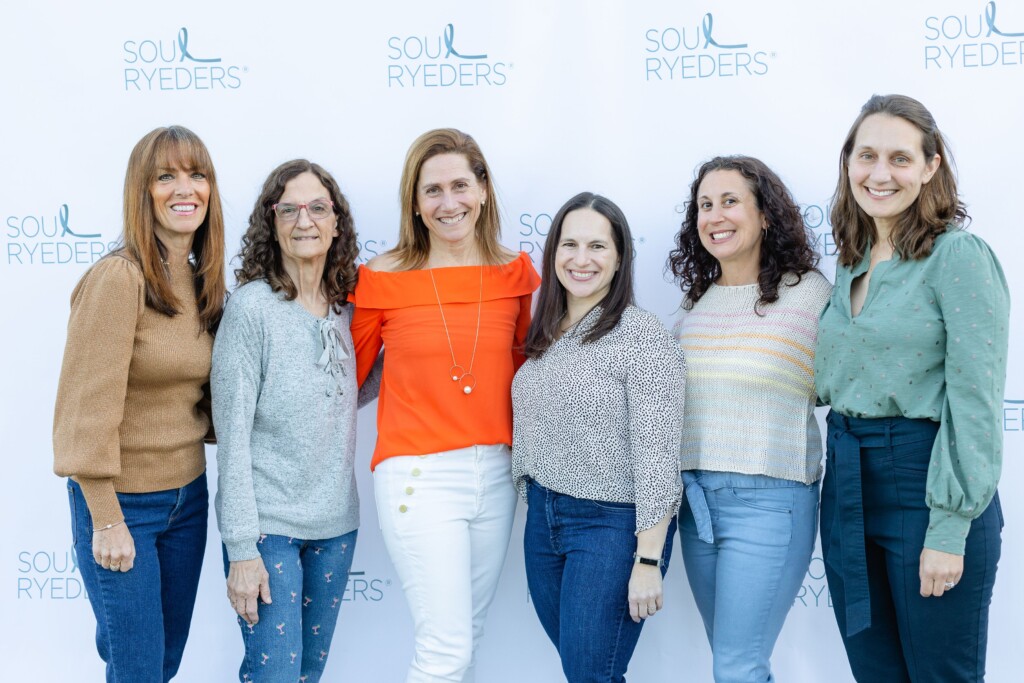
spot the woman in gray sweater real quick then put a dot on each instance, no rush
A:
(284, 406)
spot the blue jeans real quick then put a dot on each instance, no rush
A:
(872, 563)
(579, 557)
(143, 615)
(292, 639)
(746, 579)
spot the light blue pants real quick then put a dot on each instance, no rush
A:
(746, 578)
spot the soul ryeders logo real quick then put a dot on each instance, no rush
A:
(973, 40)
(155, 64)
(49, 575)
(814, 589)
(1013, 415)
(47, 238)
(533, 234)
(692, 52)
(369, 248)
(363, 588)
(817, 219)
(433, 61)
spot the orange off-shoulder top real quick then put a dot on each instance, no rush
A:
(420, 409)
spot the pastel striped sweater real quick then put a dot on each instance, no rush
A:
(750, 380)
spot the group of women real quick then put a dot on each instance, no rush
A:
(613, 431)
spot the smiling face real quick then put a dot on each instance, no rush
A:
(730, 225)
(180, 200)
(303, 239)
(887, 168)
(449, 198)
(586, 259)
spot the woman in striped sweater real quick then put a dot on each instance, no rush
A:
(751, 447)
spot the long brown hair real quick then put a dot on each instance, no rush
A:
(261, 254)
(551, 302)
(936, 208)
(785, 247)
(164, 147)
(413, 237)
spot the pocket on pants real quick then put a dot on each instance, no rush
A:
(778, 500)
(913, 457)
(610, 506)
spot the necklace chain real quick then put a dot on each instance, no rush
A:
(457, 372)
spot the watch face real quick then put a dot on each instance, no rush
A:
(646, 560)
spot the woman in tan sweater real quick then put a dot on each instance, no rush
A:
(132, 407)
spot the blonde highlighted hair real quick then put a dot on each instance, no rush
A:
(413, 237)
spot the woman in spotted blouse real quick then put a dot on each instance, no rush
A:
(595, 442)
(912, 358)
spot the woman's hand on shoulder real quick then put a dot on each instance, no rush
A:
(645, 591)
(114, 548)
(248, 582)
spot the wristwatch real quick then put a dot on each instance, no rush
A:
(638, 559)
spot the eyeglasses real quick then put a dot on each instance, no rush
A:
(317, 210)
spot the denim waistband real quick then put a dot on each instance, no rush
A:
(696, 482)
(710, 480)
(877, 432)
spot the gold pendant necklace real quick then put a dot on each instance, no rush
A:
(457, 372)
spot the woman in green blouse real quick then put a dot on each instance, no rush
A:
(911, 356)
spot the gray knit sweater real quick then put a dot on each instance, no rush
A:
(284, 407)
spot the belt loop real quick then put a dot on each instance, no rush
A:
(696, 498)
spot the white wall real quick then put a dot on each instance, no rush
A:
(621, 98)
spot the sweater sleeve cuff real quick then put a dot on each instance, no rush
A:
(947, 532)
(102, 501)
(239, 551)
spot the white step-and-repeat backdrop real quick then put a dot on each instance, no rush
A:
(622, 98)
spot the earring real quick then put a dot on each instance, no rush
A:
(483, 202)
(416, 212)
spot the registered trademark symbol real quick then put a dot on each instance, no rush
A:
(642, 240)
(387, 582)
(383, 243)
(245, 69)
(772, 55)
(510, 65)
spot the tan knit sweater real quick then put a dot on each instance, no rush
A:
(128, 416)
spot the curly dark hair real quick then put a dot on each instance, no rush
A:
(261, 254)
(785, 248)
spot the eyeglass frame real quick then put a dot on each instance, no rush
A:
(300, 207)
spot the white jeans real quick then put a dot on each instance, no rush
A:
(446, 519)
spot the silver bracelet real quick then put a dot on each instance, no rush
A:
(109, 526)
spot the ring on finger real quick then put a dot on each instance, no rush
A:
(949, 584)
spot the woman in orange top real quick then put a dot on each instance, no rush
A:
(452, 308)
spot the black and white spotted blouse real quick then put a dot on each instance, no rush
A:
(601, 421)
